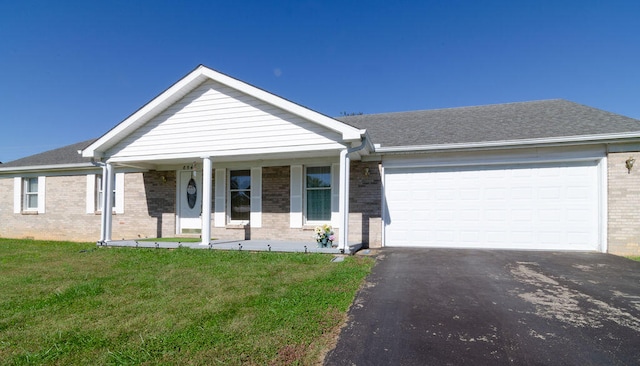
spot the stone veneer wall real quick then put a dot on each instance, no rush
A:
(623, 205)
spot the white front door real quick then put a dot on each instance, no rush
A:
(189, 203)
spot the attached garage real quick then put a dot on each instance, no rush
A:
(524, 205)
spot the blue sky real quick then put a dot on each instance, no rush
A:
(71, 70)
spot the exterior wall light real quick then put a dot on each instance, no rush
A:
(629, 164)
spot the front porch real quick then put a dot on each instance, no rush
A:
(239, 245)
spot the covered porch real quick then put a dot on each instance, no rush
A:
(244, 160)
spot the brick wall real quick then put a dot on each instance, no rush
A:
(276, 194)
(65, 216)
(365, 197)
(150, 207)
(149, 210)
(365, 224)
(623, 205)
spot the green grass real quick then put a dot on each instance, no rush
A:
(73, 303)
(634, 258)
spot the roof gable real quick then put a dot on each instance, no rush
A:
(217, 120)
(187, 85)
(497, 124)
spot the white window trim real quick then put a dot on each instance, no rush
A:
(228, 194)
(332, 194)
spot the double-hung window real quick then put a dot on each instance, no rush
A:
(100, 193)
(30, 190)
(239, 195)
(318, 193)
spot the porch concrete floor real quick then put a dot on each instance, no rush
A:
(248, 245)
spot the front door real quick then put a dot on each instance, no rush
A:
(189, 203)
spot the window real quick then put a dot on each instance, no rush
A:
(95, 195)
(240, 195)
(318, 193)
(99, 193)
(30, 194)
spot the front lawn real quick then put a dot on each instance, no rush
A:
(74, 303)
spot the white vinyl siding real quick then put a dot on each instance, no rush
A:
(217, 120)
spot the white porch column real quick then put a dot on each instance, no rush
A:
(206, 200)
(343, 206)
(108, 177)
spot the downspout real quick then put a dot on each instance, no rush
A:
(344, 194)
(103, 217)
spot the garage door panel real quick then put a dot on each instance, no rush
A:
(534, 206)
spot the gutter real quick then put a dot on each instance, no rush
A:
(104, 223)
(576, 140)
(51, 167)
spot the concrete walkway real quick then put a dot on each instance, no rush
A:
(248, 245)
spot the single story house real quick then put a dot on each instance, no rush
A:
(213, 156)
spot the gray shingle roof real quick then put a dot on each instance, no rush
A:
(491, 123)
(61, 156)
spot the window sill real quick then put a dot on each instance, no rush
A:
(236, 226)
(314, 226)
(29, 213)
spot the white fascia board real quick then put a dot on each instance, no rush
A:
(145, 113)
(577, 140)
(43, 168)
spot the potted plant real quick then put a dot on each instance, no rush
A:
(324, 236)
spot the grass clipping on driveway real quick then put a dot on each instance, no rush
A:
(70, 303)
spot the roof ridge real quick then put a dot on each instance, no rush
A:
(459, 107)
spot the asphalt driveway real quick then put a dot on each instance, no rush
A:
(490, 307)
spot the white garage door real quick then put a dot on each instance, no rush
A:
(532, 206)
